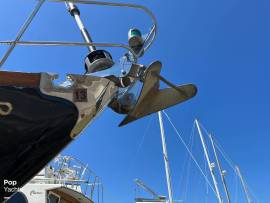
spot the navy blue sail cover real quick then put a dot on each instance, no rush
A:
(35, 131)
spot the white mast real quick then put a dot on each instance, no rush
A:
(211, 167)
(165, 156)
(221, 172)
(243, 184)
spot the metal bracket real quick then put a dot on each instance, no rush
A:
(148, 41)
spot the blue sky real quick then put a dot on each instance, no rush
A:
(221, 46)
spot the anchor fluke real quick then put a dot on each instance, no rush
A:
(152, 99)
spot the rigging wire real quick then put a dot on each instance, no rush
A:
(228, 160)
(181, 179)
(141, 142)
(190, 153)
(206, 185)
(220, 149)
(188, 166)
(143, 137)
(236, 188)
(252, 193)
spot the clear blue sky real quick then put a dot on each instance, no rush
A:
(221, 46)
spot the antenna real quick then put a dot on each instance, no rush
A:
(96, 60)
(75, 12)
(210, 165)
(221, 172)
(244, 185)
(165, 156)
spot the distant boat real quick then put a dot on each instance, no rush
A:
(65, 180)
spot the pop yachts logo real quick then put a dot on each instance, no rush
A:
(10, 186)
